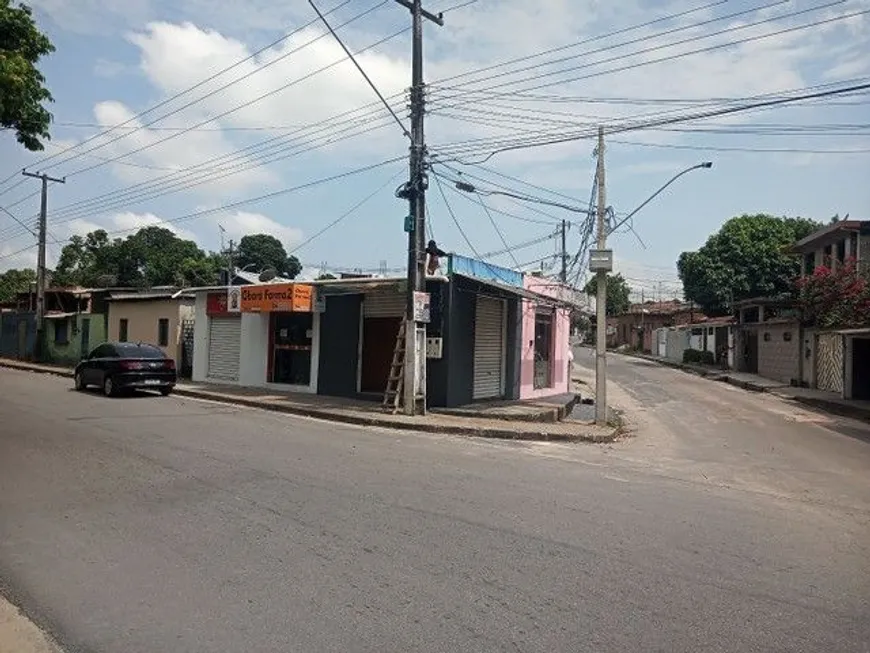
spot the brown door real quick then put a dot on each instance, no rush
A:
(751, 352)
(379, 340)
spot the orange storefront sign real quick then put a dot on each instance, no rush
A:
(276, 297)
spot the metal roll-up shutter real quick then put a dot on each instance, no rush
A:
(224, 344)
(488, 349)
(384, 305)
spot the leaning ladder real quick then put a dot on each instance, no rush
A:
(396, 379)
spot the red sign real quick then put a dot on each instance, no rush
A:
(216, 303)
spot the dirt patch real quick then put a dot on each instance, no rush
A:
(20, 635)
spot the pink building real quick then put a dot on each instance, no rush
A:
(544, 363)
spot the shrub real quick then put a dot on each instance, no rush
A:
(698, 357)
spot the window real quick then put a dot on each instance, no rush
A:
(291, 348)
(61, 332)
(809, 263)
(163, 332)
(122, 329)
(134, 350)
(104, 351)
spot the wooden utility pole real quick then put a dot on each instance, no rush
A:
(414, 384)
(40, 260)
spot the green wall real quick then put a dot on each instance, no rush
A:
(71, 352)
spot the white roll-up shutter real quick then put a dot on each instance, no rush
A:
(488, 349)
(384, 304)
(224, 345)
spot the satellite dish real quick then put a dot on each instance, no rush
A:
(268, 274)
(106, 280)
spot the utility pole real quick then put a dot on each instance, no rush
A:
(230, 268)
(601, 295)
(40, 259)
(415, 355)
(563, 276)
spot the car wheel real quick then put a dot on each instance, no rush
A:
(79, 384)
(109, 387)
(165, 391)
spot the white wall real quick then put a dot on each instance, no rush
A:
(200, 338)
(253, 354)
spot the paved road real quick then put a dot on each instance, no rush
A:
(151, 524)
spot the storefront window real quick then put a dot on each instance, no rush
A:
(291, 348)
(543, 349)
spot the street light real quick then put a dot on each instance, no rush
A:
(601, 258)
(706, 165)
(470, 188)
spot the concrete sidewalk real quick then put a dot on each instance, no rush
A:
(20, 635)
(818, 399)
(504, 424)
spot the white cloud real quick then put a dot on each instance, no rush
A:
(242, 223)
(123, 224)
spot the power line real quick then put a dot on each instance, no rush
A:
(347, 213)
(240, 106)
(671, 44)
(453, 216)
(520, 144)
(203, 82)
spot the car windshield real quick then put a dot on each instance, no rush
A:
(132, 350)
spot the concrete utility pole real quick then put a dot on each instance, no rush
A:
(416, 194)
(40, 258)
(601, 295)
(563, 275)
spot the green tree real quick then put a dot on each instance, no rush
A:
(22, 86)
(748, 257)
(153, 256)
(326, 277)
(618, 292)
(262, 251)
(14, 281)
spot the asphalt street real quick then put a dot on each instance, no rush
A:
(160, 525)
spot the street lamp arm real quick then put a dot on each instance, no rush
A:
(705, 164)
(470, 188)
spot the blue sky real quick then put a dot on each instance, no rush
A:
(115, 60)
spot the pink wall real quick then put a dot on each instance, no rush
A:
(559, 374)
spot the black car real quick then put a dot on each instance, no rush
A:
(119, 366)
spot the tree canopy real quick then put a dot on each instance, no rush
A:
(15, 281)
(153, 256)
(748, 257)
(262, 251)
(618, 292)
(23, 94)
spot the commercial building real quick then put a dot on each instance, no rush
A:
(488, 336)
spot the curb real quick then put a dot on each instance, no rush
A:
(358, 420)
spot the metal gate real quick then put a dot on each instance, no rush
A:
(186, 370)
(488, 349)
(224, 345)
(829, 362)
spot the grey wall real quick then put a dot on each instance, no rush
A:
(339, 346)
(454, 383)
(9, 334)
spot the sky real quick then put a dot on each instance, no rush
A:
(150, 127)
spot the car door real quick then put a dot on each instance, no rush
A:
(96, 364)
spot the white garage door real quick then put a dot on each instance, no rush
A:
(224, 343)
(488, 349)
(384, 305)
